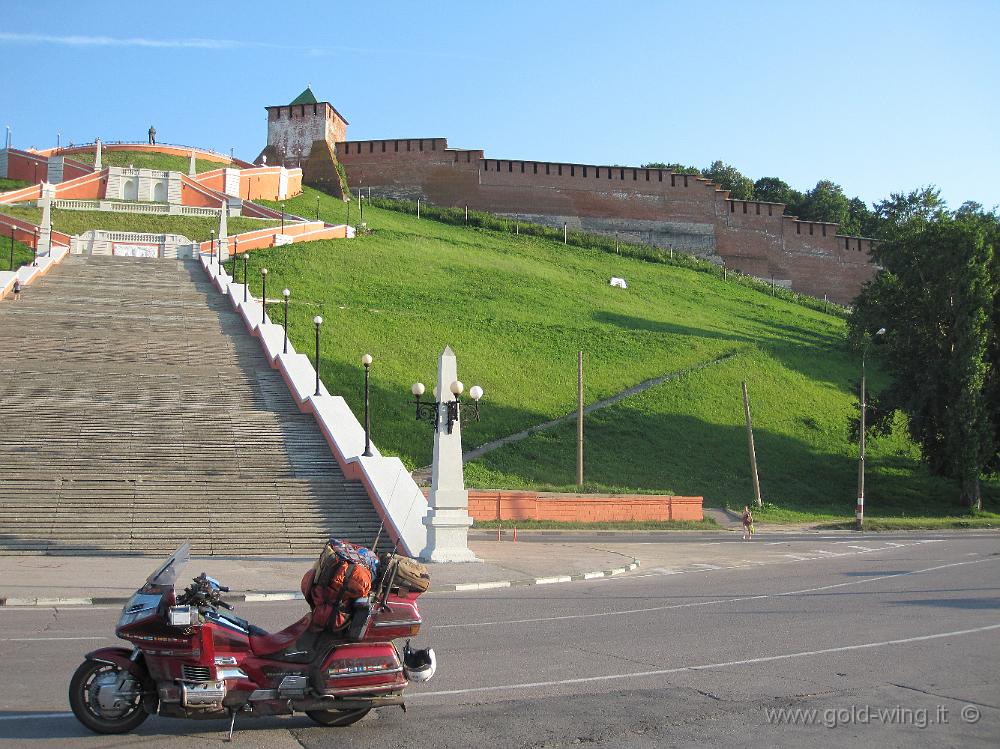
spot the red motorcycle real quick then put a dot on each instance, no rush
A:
(193, 659)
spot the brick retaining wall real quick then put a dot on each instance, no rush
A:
(528, 505)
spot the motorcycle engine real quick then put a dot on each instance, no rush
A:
(207, 695)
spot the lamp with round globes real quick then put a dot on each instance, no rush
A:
(429, 411)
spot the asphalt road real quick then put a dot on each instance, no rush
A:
(875, 641)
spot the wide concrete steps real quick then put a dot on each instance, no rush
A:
(138, 413)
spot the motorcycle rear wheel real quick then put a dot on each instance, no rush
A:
(90, 714)
(338, 718)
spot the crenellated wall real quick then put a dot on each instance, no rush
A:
(652, 206)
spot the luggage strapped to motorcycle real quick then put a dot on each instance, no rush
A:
(330, 612)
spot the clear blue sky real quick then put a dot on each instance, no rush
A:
(877, 96)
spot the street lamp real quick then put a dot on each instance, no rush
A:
(282, 218)
(317, 321)
(286, 293)
(211, 246)
(34, 261)
(366, 360)
(429, 410)
(12, 247)
(859, 514)
(263, 295)
(245, 282)
(317, 207)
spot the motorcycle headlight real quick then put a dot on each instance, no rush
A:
(140, 606)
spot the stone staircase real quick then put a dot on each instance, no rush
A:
(136, 412)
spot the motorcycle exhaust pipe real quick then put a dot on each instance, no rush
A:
(352, 704)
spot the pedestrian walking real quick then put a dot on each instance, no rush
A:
(747, 523)
(17, 289)
(152, 135)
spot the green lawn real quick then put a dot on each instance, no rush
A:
(198, 228)
(6, 185)
(142, 160)
(516, 310)
(23, 254)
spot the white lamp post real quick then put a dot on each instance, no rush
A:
(859, 513)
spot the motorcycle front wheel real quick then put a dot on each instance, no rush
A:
(84, 690)
(338, 718)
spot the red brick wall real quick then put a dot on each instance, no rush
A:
(527, 505)
(749, 236)
(26, 166)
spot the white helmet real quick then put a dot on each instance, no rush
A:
(418, 665)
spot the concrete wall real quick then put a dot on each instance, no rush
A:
(652, 206)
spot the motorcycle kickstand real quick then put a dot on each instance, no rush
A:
(232, 724)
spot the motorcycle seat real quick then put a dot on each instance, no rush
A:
(264, 643)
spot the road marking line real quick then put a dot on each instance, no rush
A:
(259, 597)
(36, 716)
(707, 666)
(694, 604)
(50, 639)
(49, 601)
(483, 586)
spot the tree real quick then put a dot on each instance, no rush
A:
(890, 214)
(825, 202)
(860, 220)
(937, 294)
(730, 178)
(774, 190)
(679, 168)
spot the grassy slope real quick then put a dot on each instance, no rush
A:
(141, 160)
(22, 254)
(517, 309)
(192, 227)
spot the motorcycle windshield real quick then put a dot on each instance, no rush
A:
(166, 574)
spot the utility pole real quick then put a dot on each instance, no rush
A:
(579, 419)
(753, 452)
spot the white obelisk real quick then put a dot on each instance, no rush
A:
(223, 233)
(447, 518)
